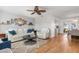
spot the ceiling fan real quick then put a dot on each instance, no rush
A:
(37, 10)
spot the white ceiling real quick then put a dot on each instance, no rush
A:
(64, 11)
(57, 11)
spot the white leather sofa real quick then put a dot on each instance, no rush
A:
(19, 35)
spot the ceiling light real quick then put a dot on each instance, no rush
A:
(75, 20)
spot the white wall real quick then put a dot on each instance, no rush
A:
(61, 25)
(6, 15)
(47, 22)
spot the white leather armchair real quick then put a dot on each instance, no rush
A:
(43, 33)
(19, 35)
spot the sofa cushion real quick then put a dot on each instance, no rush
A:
(13, 32)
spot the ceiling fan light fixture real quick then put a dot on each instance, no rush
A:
(37, 10)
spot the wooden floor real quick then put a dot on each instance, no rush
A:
(59, 44)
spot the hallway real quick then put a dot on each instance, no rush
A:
(59, 44)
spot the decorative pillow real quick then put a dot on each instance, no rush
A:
(30, 30)
(13, 32)
(4, 39)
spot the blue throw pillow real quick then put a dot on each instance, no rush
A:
(13, 32)
(30, 30)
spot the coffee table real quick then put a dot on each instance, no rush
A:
(29, 40)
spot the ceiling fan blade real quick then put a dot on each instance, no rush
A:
(33, 13)
(42, 10)
(30, 10)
